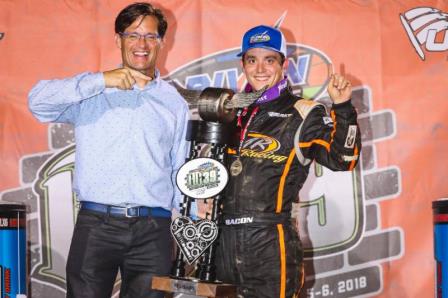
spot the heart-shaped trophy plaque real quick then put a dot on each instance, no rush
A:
(193, 238)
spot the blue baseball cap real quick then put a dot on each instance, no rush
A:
(265, 37)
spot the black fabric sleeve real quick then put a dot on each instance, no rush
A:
(333, 141)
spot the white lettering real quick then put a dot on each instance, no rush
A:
(431, 43)
(275, 114)
(349, 158)
(282, 86)
(3, 222)
(239, 221)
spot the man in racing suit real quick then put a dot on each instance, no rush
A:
(279, 136)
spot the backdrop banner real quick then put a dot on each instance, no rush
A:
(365, 233)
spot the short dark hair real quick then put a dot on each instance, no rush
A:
(132, 12)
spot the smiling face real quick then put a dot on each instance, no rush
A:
(140, 55)
(263, 67)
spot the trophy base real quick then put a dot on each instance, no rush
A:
(192, 286)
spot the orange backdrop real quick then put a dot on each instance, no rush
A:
(402, 97)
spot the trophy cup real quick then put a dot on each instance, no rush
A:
(203, 178)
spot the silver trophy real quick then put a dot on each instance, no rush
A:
(203, 177)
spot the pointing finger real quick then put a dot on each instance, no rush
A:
(336, 80)
(137, 74)
(341, 82)
(129, 81)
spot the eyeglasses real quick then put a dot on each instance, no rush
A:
(135, 36)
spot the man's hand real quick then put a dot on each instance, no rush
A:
(339, 88)
(123, 78)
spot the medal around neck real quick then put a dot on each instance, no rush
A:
(202, 178)
(236, 167)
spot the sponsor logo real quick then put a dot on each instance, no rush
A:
(12, 222)
(278, 115)
(264, 155)
(261, 143)
(261, 146)
(239, 221)
(261, 37)
(282, 86)
(426, 27)
(3, 222)
(202, 178)
(206, 175)
(350, 158)
(351, 135)
(327, 120)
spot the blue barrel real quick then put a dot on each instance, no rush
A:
(13, 250)
(440, 213)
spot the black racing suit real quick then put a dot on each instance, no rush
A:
(259, 249)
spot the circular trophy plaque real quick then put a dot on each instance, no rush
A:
(202, 178)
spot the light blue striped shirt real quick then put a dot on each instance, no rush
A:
(129, 144)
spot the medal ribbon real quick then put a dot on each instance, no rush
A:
(272, 93)
(244, 130)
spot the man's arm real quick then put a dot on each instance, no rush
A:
(333, 142)
(56, 100)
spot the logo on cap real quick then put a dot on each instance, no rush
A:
(260, 37)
